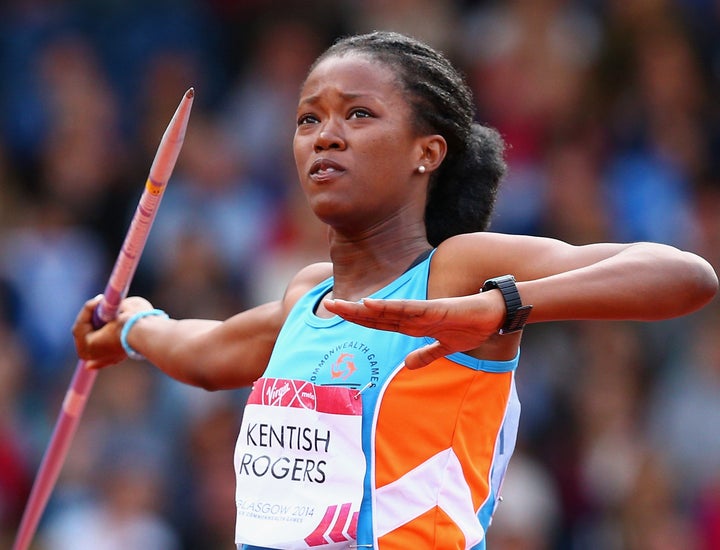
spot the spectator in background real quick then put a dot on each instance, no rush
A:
(15, 440)
(528, 516)
(657, 147)
(37, 259)
(217, 220)
(528, 64)
(117, 485)
(685, 411)
(257, 107)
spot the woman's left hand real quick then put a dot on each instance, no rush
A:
(457, 324)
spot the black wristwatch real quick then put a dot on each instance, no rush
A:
(516, 313)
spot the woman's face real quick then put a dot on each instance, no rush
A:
(355, 150)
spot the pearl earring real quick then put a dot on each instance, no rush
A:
(421, 169)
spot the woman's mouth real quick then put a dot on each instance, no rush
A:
(325, 169)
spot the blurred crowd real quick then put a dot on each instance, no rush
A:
(612, 115)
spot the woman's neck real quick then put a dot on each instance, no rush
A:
(361, 266)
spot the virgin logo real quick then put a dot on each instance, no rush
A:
(274, 395)
(289, 393)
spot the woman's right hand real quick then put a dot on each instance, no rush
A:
(101, 347)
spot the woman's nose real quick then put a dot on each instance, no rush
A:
(329, 138)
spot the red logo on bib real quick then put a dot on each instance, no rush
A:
(288, 393)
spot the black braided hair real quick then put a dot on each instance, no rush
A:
(462, 191)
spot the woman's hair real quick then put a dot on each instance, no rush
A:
(462, 191)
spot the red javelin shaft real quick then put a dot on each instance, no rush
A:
(116, 289)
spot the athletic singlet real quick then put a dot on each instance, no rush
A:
(436, 440)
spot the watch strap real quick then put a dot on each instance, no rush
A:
(516, 314)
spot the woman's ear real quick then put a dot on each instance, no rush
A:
(434, 149)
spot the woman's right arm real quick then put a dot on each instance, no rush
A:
(210, 354)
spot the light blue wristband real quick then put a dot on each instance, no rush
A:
(131, 353)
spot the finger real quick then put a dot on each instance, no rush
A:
(357, 313)
(406, 326)
(91, 364)
(133, 304)
(97, 364)
(425, 355)
(345, 307)
(85, 314)
(395, 310)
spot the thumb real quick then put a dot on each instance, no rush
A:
(92, 364)
(97, 364)
(425, 355)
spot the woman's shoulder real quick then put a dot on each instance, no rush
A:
(493, 248)
(304, 280)
(474, 248)
(462, 263)
(466, 241)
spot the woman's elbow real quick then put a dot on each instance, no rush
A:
(704, 284)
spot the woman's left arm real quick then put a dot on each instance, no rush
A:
(639, 281)
(605, 281)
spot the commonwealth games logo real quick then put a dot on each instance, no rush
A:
(343, 367)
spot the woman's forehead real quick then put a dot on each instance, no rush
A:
(353, 73)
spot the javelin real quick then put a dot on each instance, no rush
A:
(116, 289)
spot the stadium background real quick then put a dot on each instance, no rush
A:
(612, 115)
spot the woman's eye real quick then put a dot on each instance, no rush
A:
(360, 113)
(306, 119)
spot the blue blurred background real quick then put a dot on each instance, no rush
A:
(612, 115)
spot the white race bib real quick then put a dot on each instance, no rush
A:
(299, 466)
